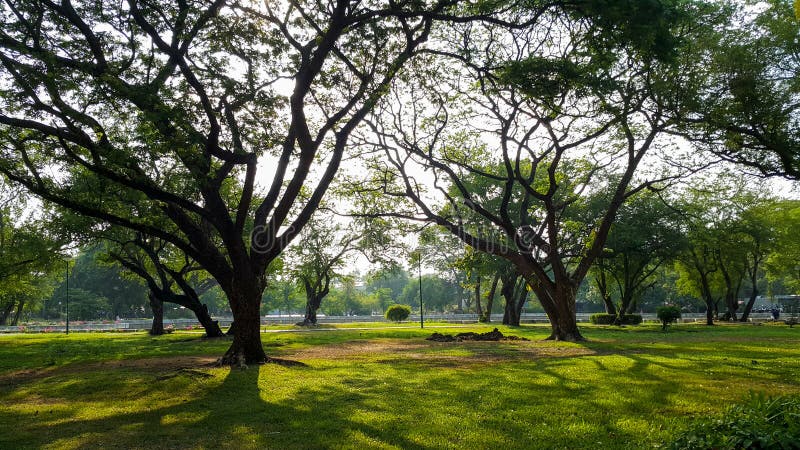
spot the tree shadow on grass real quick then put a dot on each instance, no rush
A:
(235, 413)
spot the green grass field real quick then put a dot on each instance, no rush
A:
(387, 387)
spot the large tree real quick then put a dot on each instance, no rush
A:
(180, 103)
(645, 236)
(557, 117)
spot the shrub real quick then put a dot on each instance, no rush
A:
(631, 319)
(608, 319)
(602, 319)
(761, 422)
(398, 313)
(667, 315)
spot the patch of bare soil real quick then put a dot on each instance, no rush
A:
(494, 335)
(163, 367)
(435, 354)
(358, 348)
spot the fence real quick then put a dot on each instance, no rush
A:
(183, 324)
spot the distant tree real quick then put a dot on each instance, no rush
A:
(398, 313)
(729, 237)
(30, 255)
(646, 235)
(668, 315)
(480, 268)
(319, 254)
(444, 252)
(783, 264)
(170, 276)
(104, 284)
(438, 294)
(389, 281)
(283, 295)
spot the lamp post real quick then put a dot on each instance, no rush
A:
(67, 286)
(418, 255)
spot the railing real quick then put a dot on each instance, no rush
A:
(192, 324)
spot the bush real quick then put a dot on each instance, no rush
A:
(398, 313)
(608, 319)
(762, 422)
(667, 315)
(631, 319)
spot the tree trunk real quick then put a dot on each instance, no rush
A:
(709, 314)
(507, 291)
(602, 286)
(705, 291)
(210, 325)
(157, 329)
(559, 305)
(520, 297)
(20, 307)
(509, 316)
(231, 329)
(624, 306)
(313, 303)
(487, 313)
(478, 308)
(749, 306)
(246, 347)
(6, 311)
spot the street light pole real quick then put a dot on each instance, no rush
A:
(67, 285)
(419, 273)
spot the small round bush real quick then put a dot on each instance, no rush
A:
(667, 315)
(398, 313)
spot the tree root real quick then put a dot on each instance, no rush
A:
(569, 337)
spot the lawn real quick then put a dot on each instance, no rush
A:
(385, 387)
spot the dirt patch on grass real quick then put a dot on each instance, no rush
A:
(441, 354)
(359, 348)
(157, 366)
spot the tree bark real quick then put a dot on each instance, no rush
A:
(6, 311)
(210, 325)
(313, 303)
(487, 313)
(709, 314)
(748, 308)
(563, 321)
(157, 306)
(753, 272)
(17, 315)
(478, 308)
(705, 289)
(507, 291)
(246, 347)
(602, 285)
(558, 301)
